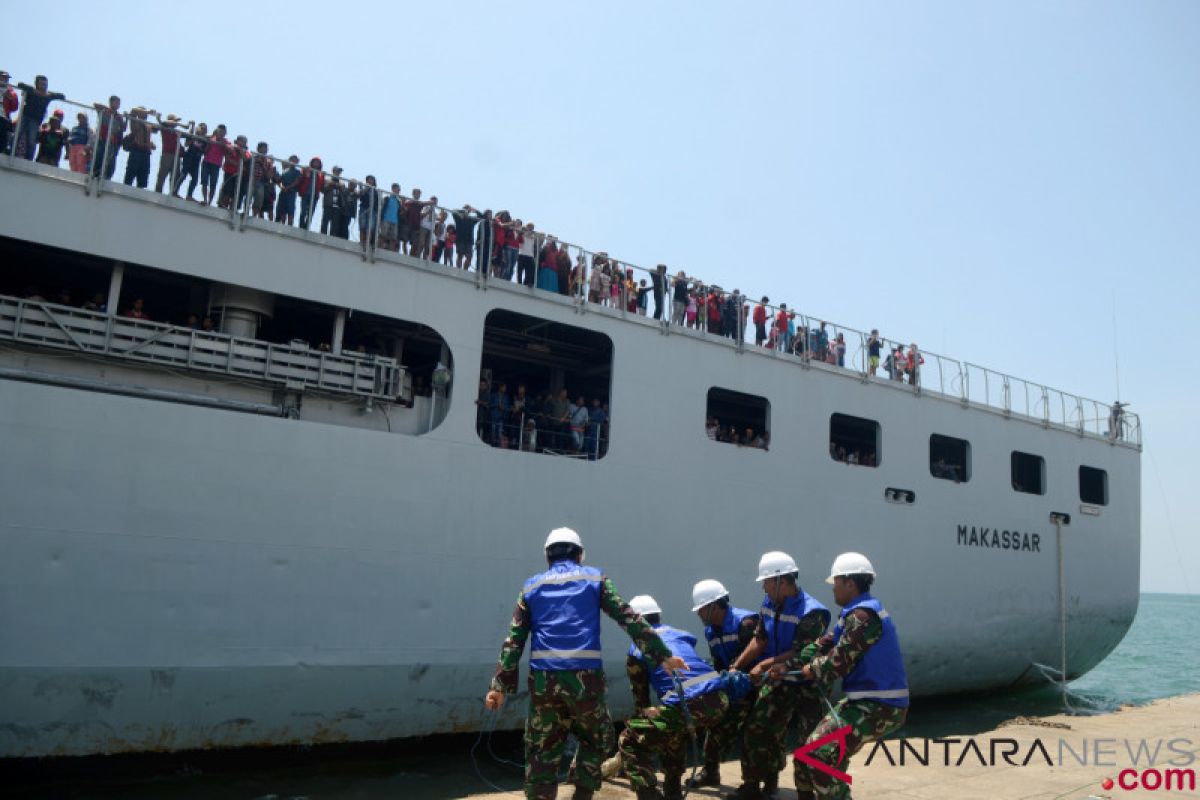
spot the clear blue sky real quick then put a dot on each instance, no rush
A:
(992, 181)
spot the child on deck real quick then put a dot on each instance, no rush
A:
(78, 144)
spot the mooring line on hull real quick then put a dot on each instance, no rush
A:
(485, 735)
(487, 729)
(1054, 675)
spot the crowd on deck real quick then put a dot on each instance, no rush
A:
(231, 175)
(543, 422)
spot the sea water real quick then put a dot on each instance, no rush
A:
(1157, 658)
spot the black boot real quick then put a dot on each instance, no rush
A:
(711, 776)
(770, 790)
(582, 794)
(672, 788)
(747, 791)
(649, 793)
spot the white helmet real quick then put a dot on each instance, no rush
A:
(850, 564)
(563, 536)
(707, 591)
(644, 604)
(774, 564)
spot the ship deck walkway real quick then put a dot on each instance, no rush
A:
(295, 367)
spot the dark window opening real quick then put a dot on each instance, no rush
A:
(854, 440)
(738, 418)
(544, 387)
(1093, 486)
(1028, 473)
(949, 458)
(57, 276)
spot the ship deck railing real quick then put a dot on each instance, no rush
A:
(970, 384)
(290, 366)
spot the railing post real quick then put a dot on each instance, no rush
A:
(739, 314)
(114, 288)
(246, 206)
(237, 188)
(12, 149)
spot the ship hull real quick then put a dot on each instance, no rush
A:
(179, 577)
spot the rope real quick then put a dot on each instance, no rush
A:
(824, 697)
(1054, 675)
(485, 737)
(691, 729)
(487, 729)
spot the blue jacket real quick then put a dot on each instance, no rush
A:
(697, 677)
(723, 642)
(781, 626)
(564, 606)
(879, 674)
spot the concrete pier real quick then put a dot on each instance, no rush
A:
(1116, 746)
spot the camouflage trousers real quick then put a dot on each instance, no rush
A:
(868, 721)
(562, 703)
(728, 732)
(765, 731)
(662, 731)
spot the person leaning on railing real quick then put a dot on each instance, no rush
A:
(312, 184)
(139, 146)
(263, 176)
(108, 138)
(168, 164)
(189, 162)
(36, 100)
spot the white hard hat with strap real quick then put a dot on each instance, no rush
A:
(707, 591)
(850, 564)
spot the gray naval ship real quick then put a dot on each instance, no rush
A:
(296, 526)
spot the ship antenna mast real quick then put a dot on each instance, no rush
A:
(1116, 355)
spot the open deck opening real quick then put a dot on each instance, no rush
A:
(544, 386)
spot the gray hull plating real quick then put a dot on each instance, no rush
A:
(177, 577)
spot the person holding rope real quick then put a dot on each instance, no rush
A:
(559, 610)
(864, 651)
(790, 619)
(693, 701)
(729, 630)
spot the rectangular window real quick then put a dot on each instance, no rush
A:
(1093, 486)
(854, 440)
(738, 418)
(949, 458)
(1028, 473)
(544, 387)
